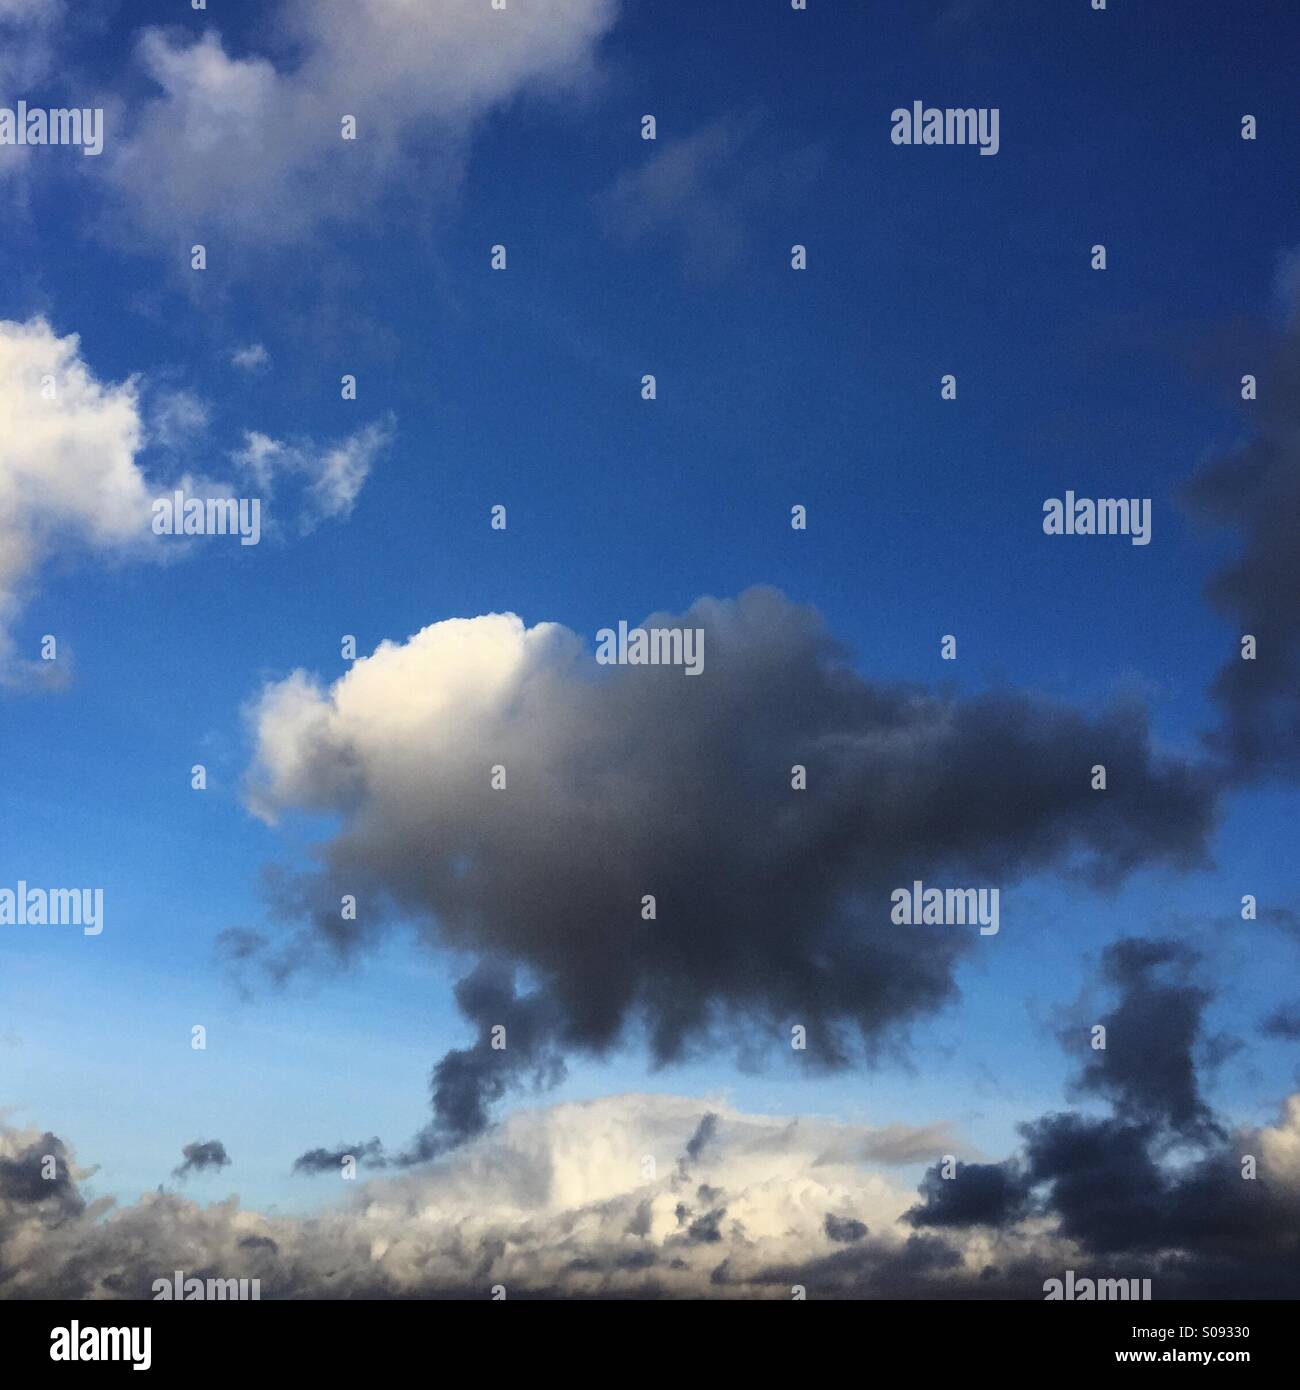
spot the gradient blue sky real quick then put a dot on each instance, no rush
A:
(774, 388)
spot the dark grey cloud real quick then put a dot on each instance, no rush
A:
(23, 1179)
(705, 1131)
(978, 1194)
(1148, 1068)
(1159, 1181)
(369, 1154)
(202, 1155)
(844, 1230)
(467, 1081)
(772, 905)
(1253, 490)
(1283, 1022)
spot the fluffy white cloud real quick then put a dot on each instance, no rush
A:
(68, 471)
(71, 476)
(241, 147)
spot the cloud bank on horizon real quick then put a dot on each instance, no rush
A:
(665, 1196)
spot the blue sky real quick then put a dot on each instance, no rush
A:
(774, 387)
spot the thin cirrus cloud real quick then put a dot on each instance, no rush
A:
(696, 190)
(331, 477)
(27, 30)
(29, 34)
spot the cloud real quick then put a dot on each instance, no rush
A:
(772, 905)
(698, 191)
(249, 150)
(331, 476)
(583, 1199)
(367, 1155)
(27, 42)
(68, 470)
(1283, 1022)
(1159, 1183)
(200, 1156)
(1148, 1068)
(176, 419)
(72, 481)
(843, 1229)
(977, 1194)
(253, 358)
(1253, 489)
(597, 1199)
(27, 57)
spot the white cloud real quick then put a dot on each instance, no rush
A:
(71, 477)
(332, 476)
(253, 358)
(26, 42)
(237, 147)
(68, 471)
(27, 29)
(560, 1198)
(175, 418)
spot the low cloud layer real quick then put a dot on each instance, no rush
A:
(660, 1196)
(772, 905)
(606, 1199)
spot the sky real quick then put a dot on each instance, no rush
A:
(371, 259)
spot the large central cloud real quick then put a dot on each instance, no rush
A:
(621, 782)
